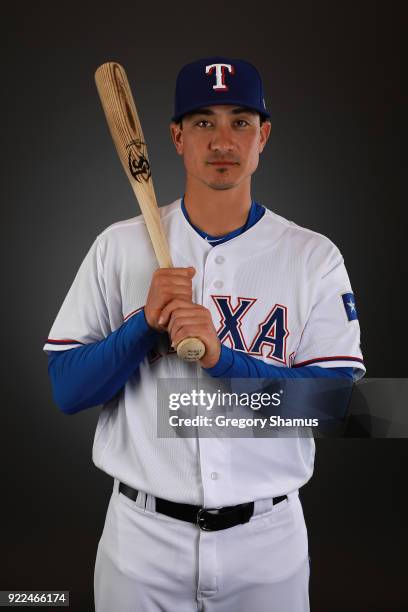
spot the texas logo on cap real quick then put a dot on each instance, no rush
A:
(219, 70)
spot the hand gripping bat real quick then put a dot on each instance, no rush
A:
(126, 131)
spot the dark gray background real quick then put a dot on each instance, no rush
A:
(332, 83)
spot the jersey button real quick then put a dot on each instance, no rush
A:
(219, 259)
(214, 475)
(218, 284)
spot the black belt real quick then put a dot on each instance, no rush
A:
(208, 519)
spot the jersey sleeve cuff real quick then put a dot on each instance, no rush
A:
(142, 328)
(223, 364)
(64, 344)
(61, 345)
(339, 361)
(143, 325)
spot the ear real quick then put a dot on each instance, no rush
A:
(265, 131)
(176, 132)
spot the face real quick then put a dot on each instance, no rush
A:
(220, 145)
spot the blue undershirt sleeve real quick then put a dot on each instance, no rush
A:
(234, 364)
(94, 373)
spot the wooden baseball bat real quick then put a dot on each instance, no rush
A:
(126, 131)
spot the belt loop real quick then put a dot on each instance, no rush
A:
(115, 490)
(263, 505)
(141, 500)
(293, 494)
(150, 503)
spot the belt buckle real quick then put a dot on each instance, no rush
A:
(202, 521)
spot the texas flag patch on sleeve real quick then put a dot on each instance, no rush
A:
(349, 304)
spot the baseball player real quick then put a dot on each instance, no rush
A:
(194, 523)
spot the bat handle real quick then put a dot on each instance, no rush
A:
(190, 349)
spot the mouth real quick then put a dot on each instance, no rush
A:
(223, 163)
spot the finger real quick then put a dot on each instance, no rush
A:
(172, 293)
(173, 272)
(189, 330)
(189, 323)
(186, 318)
(170, 281)
(163, 298)
(196, 312)
(171, 306)
(174, 306)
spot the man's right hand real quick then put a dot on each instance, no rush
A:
(167, 284)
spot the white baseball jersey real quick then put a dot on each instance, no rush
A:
(278, 292)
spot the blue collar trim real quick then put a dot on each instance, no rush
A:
(256, 212)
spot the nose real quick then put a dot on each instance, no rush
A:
(222, 139)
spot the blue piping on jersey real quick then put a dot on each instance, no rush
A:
(256, 212)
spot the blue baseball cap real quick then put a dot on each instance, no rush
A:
(218, 80)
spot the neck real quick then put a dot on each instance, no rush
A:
(217, 212)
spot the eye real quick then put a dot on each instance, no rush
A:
(241, 123)
(203, 123)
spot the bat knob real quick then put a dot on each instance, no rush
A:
(190, 349)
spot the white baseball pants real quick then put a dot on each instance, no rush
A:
(148, 562)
